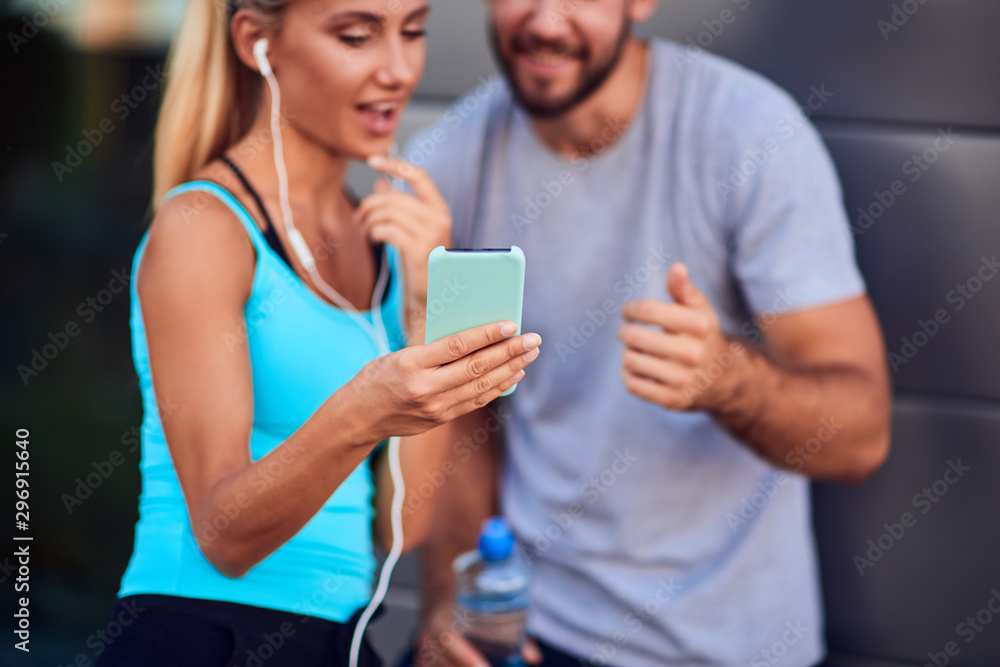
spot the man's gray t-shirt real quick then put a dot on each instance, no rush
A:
(656, 538)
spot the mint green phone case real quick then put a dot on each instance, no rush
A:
(468, 288)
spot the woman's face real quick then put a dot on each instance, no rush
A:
(347, 68)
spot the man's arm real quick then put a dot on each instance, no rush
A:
(466, 499)
(818, 401)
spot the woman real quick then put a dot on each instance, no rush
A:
(264, 400)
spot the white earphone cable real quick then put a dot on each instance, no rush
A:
(377, 333)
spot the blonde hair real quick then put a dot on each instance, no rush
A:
(210, 96)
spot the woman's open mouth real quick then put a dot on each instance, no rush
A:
(379, 117)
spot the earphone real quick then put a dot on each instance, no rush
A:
(377, 333)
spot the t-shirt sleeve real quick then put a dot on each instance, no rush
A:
(789, 234)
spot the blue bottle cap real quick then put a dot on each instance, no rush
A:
(496, 540)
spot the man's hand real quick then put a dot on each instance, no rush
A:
(441, 644)
(822, 362)
(663, 364)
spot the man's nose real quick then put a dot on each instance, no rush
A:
(549, 19)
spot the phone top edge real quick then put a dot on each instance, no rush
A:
(477, 249)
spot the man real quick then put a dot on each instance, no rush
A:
(708, 346)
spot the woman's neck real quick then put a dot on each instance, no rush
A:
(315, 175)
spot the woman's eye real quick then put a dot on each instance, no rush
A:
(353, 40)
(414, 34)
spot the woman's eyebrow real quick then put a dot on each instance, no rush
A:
(356, 16)
(377, 18)
(417, 13)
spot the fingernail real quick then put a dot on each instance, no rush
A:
(531, 341)
(508, 328)
(376, 161)
(516, 377)
(528, 356)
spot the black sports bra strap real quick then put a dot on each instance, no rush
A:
(269, 234)
(272, 238)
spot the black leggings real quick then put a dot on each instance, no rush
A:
(168, 631)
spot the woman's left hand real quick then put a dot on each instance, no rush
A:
(415, 224)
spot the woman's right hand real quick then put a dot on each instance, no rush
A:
(417, 388)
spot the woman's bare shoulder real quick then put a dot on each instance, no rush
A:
(197, 241)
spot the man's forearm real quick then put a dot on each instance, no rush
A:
(828, 422)
(467, 497)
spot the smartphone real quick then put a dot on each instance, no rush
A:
(469, 287)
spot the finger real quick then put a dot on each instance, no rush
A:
(654, 392)
(482, 400)
(665, 372)
(670, 317)
(450, 650)
(396, 205)
(391, 199)
(486, 386)
(682, 290)
(681, 349)
(393, 234)
(382, 185)
(460, 344)
(473, 367)
(418, 179)
(396, 217)
(462, 654)
(530, 652)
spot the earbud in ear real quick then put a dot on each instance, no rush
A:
(260, 56)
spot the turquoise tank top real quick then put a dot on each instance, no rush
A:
(302, 349)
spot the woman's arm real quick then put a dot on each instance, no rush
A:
(194, 280)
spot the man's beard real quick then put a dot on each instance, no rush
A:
(590, 79)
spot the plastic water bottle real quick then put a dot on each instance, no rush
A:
(492, 600)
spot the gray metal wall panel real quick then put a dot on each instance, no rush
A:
(929, 239)
(936, 572)
(942, 66)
